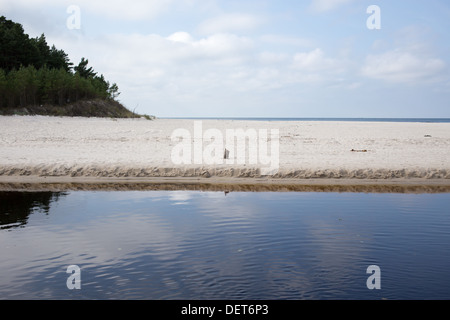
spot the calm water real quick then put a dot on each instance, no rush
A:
(211, 245)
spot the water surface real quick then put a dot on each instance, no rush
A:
(212, 245)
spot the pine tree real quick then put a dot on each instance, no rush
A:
(113, 91)
(16, 47)
(83, 71)
(42, 52)
(3, 84)
(59, 59)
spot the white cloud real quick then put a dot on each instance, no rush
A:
(217, 48)
(284, 40)
(126, 10)
(225, 48)
(313, 60)
(181, 36)
(116, 9)
(268, 58)
(316, 61)
(327, 5)
(229, 23)
(152, 49)
(402, 67)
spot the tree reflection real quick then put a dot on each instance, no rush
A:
(15, 206)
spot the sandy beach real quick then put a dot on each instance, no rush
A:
(39, 149)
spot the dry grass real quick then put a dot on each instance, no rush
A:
(83, 108)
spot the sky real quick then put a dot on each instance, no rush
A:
(264, 58)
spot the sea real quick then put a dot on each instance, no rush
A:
(421, 120)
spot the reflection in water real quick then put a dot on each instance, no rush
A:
(239, 245)
(15, 207)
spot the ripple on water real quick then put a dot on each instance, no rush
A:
(205, 245)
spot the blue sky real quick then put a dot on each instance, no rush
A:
(265, 58)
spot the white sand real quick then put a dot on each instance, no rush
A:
(138, 148)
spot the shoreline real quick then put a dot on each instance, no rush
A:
(60, 184)
(43, 150)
